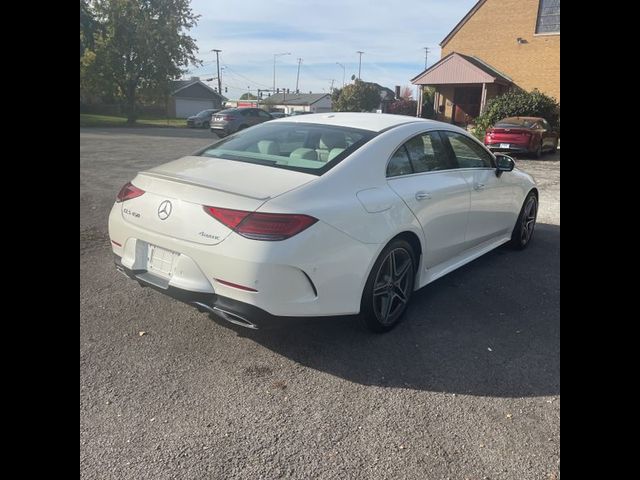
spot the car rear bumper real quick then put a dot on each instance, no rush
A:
(320, 272)
(215, 128)
(229, 309)
(513, 148)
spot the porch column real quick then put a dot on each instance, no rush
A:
(419, 106)
(483, 98)
(436, 104)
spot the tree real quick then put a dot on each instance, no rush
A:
(357, 97)
(87, 27)
(406, 93)
(141, 46)
(428, 96)
(248, 96)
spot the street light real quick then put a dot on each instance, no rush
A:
(338, 63)
(274, 67)
(359, 62)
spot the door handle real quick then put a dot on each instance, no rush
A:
(423, 196)
(479, 186)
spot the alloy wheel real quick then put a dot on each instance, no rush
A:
(391, 288)
(529, 220)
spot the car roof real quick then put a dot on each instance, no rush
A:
(367, 121)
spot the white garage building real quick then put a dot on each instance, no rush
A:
(189, 97)
(299, 102)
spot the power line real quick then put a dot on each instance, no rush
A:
(245, 77)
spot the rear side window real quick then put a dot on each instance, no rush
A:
(468, 153)
(399, 163)
(423, 153)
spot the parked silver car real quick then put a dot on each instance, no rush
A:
(234, 119)
(202, 119)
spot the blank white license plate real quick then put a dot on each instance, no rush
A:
(161, 261)
(505, 145)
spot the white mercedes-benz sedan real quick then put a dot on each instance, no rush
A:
(320, 215)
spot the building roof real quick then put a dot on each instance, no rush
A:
(295, 98)
(461, 23)
(367, 121)
(457, 68)
(201, 90)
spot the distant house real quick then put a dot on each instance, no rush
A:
(189, 97)
(298, 102)
(497, 45)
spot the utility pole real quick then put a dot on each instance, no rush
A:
(218, 65)
(426, 52)
(359, 63)
(298, 77)
(331, 88)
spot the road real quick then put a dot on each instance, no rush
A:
(467, 387)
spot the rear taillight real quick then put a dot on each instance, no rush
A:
(128, 192)
(228, 118)
(261, 226)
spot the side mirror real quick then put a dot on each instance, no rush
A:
(504, 163)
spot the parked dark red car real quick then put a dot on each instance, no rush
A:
(532, 135)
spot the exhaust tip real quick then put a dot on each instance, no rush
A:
(228, 316)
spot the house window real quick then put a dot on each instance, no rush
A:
(548, 17)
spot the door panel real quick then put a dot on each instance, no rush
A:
(440, 202)
(491, 212)
(491, 197)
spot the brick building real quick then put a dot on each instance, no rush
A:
(497, 45)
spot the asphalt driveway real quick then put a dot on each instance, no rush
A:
(467, 387)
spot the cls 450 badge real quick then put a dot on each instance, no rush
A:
(130, 212)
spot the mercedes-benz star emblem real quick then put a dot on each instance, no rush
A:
(164, 210)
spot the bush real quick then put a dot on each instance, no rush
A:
(518, 103)
(403, 107)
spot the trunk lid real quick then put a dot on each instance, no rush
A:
(176, 192)
(509, 135)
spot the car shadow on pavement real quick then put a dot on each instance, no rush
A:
(490, 328)
(546, 157)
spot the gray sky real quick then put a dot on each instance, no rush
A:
(249, 32)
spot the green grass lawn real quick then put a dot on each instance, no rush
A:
(87, 120)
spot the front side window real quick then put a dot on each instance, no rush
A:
(548, 17)
(467, 152)
(423, 153)
(303, 147)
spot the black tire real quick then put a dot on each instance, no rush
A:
(386, 294)
(525, 225)
(538, 153)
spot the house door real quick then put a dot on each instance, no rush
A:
(466, 104)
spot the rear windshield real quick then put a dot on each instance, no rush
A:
(516, 122)
(302, 147)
